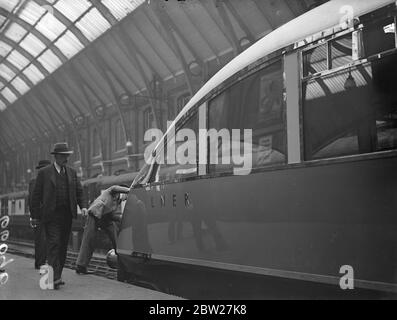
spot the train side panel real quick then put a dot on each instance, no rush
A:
(307, 220)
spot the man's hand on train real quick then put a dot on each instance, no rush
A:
(84, 212)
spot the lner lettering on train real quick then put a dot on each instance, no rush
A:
(172, 201)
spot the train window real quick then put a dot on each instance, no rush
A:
(180, 154)
(380, 37)
(330, 55)
(385, 102)
(351, 112)
(341, 51)
(255, 103)
(315, 60)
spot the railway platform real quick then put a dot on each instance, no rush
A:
(24, 284)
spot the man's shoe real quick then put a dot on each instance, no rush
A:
(57, 284)
(82, 270)
(37, 266)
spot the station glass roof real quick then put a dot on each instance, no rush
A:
(63, 60)
(38, 36)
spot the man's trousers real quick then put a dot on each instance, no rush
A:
(88, 242)
(57, 232)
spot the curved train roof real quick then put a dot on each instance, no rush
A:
(321, 18)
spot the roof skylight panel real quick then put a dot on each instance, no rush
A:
(69, 44)
(6, 72)
(121, 8)
(9, 95)
(33, 74)
(73, 9)
(15, 32)
(32, 12)
(4, 49)
(18, 60)
(50, 61)
(20, 85)
(9, 5)
(50, 26)
(93, 24)
(2, 106)
(32, 45)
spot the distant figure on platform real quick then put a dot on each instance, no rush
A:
(101, 214)
(40, 254)
(56, 194)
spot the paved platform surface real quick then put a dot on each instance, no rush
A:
(23, 284)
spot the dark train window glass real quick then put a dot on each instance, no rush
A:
(352, 111)
(180, 153)
(341, 51)
(315, 60)
(379, 37)
(256, 103)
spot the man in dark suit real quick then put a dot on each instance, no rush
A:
(39, 237)
(56, 195)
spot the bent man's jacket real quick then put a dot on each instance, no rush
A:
(107, 202)
(44, 194)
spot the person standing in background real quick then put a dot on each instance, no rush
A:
(39, 236)
(56, 194)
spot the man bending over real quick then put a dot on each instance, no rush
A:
(101, 214)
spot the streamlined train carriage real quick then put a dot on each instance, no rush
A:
(319, 96)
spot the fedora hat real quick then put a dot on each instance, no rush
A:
(61, 148)
(43, 163)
